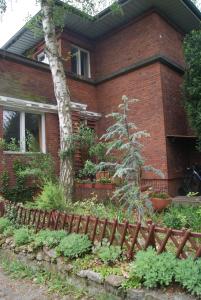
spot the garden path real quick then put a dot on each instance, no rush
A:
(11, 289)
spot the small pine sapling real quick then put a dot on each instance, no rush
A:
(123, 140)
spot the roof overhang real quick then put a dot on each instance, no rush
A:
(182, 13)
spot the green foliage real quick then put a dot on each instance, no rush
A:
(132, 283)
(55, 283)
(106, 270)
(192, 79)
(23, 236)
(4, 224)
(83, 263)
(11, 214)
(99, 151)
(123, 139)
(49, 238)
(9, 231)
(13, 145)
(179, 217)
(109, 254)
(20, 192)
(159, 195)
(188, 274)
(51, 198)
(89, 170)
(39, 167)
(74, 245)
(153, 270)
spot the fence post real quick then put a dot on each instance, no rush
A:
(151, 237)
(124, 234)
(183, 242)
(113, 231)
(137, 230)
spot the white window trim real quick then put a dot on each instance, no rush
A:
(22, 133)
(46, 61)
(79, 60)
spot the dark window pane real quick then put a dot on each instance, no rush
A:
(84, 64)
(74, 60)
(33, 132)
(11, 129)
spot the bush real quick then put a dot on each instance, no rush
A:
(188, 274)
(4, 223)
(109, 254)
(49, 238)
(9, 231)
(23, 236)
(179, 217)
(74, 245)
(153, 269)
(52, 197)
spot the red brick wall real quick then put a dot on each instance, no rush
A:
(145, 85)
(25, 82)
(141, 39)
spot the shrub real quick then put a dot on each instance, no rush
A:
(153, 269)
(109, 254)
(9, 231)
(183, 216)
(23, 236)
(4, 223)
(74, 245)
(52, 197)
(49, 238)
(188, 274)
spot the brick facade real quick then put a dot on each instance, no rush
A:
(142, 59)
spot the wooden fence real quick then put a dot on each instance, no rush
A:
(130, 237)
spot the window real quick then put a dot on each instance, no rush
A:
(80, 62)
(42, 57)
(23, 131)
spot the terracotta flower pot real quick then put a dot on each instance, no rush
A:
(104, 186)
(84, 185)
(102, 174)
(160, 204)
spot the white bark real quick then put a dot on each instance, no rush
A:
(62, 95)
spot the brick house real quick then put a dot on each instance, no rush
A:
(138, 54)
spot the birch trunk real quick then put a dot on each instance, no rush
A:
(62, 95)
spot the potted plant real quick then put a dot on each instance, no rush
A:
(87, 175)
(104, 183)
(98, 152)
(160, 200)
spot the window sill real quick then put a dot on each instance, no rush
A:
(21, 153)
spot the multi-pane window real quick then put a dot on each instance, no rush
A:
(23, 131)
(80, 62)
(42, 57)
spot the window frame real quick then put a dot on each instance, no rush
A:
(78, 67)
(23, 131)
(46, 61)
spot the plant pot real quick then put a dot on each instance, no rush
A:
(104, 186)
(160, 204)
(102, 174)
(84, 185)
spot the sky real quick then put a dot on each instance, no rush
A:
(16, 15)
(15, 18)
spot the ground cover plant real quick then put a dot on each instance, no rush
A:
(148, 269)
(180, 216)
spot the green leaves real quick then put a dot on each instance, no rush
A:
(154, 270)
(192, 80)
(74, 245)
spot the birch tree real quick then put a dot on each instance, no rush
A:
(61, 89)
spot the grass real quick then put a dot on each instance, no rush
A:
(55, 283)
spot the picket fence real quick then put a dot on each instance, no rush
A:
(130, 237)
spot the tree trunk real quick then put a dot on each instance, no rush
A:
(62, 95)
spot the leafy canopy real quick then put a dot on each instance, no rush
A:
(192, 80)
